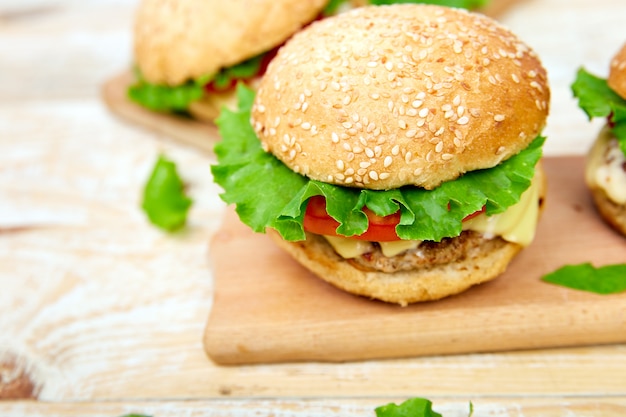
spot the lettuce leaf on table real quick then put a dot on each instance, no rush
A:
(164, 199)
(597, 99)
(609, 279)
(269, 194)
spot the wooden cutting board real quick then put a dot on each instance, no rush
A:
(201, 135)
(267, 308)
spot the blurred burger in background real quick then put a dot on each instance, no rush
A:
(190, 54)
(393, 150)
(605, 172)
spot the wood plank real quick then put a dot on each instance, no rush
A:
(188, 131)
(340, 407)
(268, 308)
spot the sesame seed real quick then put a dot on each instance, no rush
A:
(395, 150)
(384, 175)
(364, 164)
(460, 110)
(498, 117)
(410, 133)
(423, 112)
(334, 137)
(373, 175)
(515, 78)
(369, 153)
(388, 160)
(447, 156)
(439, 147)
(306, 125)
(463, 120)
(401, 124)
(500, 150)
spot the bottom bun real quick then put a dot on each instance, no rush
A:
(614, 214)
(482, 263)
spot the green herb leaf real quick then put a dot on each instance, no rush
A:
(597, 99)
(465, 4)
(164, 98)
(135, 415)
(414, 407)
(610, 279)
(269, 194)
(164, 199)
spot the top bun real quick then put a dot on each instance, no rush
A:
(178, 40)
(617, 73)
(386, 96)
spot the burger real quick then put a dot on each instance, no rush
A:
(393, 150)
(190, 54)
(605, 172)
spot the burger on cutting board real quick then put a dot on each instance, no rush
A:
(393, 150)
(189, 54)
(606, 163)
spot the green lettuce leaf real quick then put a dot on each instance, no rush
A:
(333, 5)
(597, 99)
(164, 98)
(164, 200)
(414, 407)
(610, 279)
(269, 194)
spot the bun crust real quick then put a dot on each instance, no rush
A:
(617, 73)
(386, 96)
(178, 40)
(405, 287)
(614, 214)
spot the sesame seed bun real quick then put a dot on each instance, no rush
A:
(617, 73)
(179, 40)
(387, 96)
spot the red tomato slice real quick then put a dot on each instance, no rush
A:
(381, 229)
(317, 220)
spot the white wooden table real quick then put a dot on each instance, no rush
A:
(101, 314)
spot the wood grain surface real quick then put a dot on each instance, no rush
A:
(262, 296)
(101, 314)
